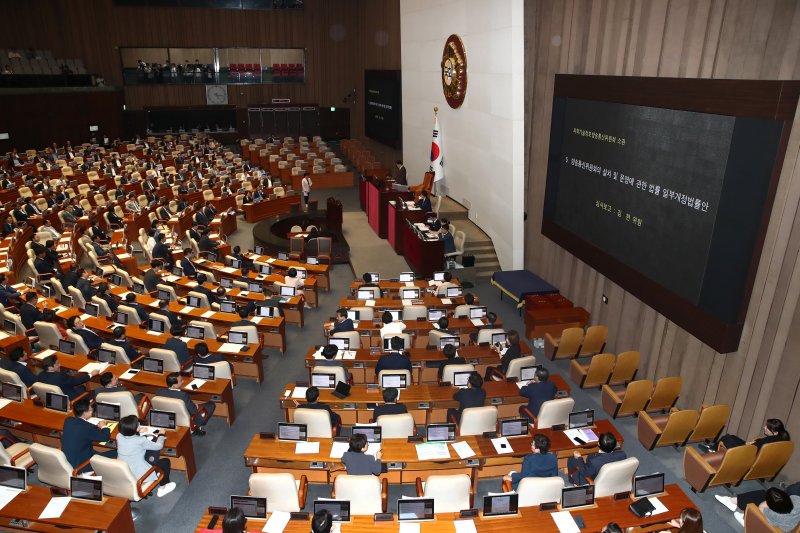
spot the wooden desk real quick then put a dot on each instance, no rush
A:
(424, 257)
(225, 225)
(428, 300)
(112, 515)
(397, 219)
(318, 271)
(394, 285)
(529, 518)
(269, 208)
(326, 180)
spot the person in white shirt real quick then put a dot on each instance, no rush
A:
(151, 241)
(48, 227)
(306, 183)
(390, 327)
(291, 279)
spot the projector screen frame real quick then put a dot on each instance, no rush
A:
(773, 100)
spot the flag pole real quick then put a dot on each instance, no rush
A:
(434, 189)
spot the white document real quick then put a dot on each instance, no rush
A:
(585, 435)
(465, 526)
(338, 449)
(373, 448)
(7, 494)
(521, 384)
(271, 260)
(227, 347)
(172, 278)
(410, 284)
(306, 447)
(208, 314)
(4, 335)
(659, 507)
(429, 451)
(128, 374)
(149, 332)
(85, 316)
(89, 367)
(350, 354)
(277, 522)
(257, 319)
(369, 303)
(187, 309)
(447, 301)
(55, 507)
(463, 449)
(4, 402)
(196, 381)
(44, 353)
(300, 393)
(407, 302)
(565, 522)
(501, 445)
(477, 322)
(228, 270)
(191, 284)
(409, 527)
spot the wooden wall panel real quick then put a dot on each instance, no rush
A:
(739, 39)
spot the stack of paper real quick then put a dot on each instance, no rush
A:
(429, 451)
(299, 393)
(44, 353)
(191, 284)
(150, 332)
(586, 435)
(477, 322)
(90, 367)
(463, 449)
(409, 527)
(501, 445)
(306, 447)
(128, 374)
(447, 301)
(227, 347)
(196, 381)
(187, 309)
(277, 522)
(369, 303)
(7, 494)
(208, 314)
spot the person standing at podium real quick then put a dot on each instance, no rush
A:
(400, 173)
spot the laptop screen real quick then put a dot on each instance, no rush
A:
(283, 256)
(375, 277)
(323, 381)
(65, 300)
(254, 287)
(265, 269)
(514, 427)
(406, 277)
(93, 309)
(264, 310)
(581, 419)
(237, 337)
(153, 365)
(339, 509)
(288, 291)
(236, 263)
(203, 371)
(395, 381)
(342, 344)
(13, 477)
(440, 432)
(373, 433)
(498, 338)
(139, 288)
(301, 273)
(193, 301)
(527, 373)
(162, 419)
(501, 504)
(438, 276)
(105, 355)
(11, 391)
(86, 488)
(259, 250)
(107, 411)
(251, 506)
(648, 485)
(477, 312)
(397, 314)
(226, 306)
(444, 341)
(56, 402)
(163, 294)
(312, 260)
(294, 432)
(121, 318)
(365, 294)
(461, 379)
(453, 292)
(212, 257)
(226, 283)
(436, 314)
(354, 315)
(414, 509)
(580, 496)
(409, 294)
(10, 326)
(157, 325)
(116, 279)
(195, 332)
(67, 347)
(177, 271)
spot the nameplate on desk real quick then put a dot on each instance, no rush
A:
(423, 405)
(348, 406)
(416, 364)
(472, 361)
(473, 462)
(395, 466)
(358, 365)
(318, 465)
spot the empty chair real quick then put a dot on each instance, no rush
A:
(54, 469)
(367, 494)
(17, 454)
(537, 490)
(553, 413)
(566, 346)
(119, 481)
(170, 359)
(317, 421)
(666, 430)
(477, 420)
(628, 401)
(594, 341)
(594, 374)
(127, 403)
(450, 370)
(399, 426)
(283, 492)
(625, 368)
(615, 477)
(365, 313)
(413, 312)
(48, 334)
(771, 459)
(405, 373)
(665, 394)
(450, 494)
(338, 371)
(352, 336)
(719, 468)
(7, 376)
(712, 421)
(208, 328)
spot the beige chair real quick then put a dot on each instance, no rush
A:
(170, 359)
(726, 467)
(367, 494)
(80, 345)
(399, 426)
(666, 430)
(406, 373)
(119, 481)
(628, 401)
(352, 336)
(283, 492)
(553, 413)
(450, 494)
(594, 341)
(477, 420)
(461, 311)
(7, 376)
(77, 298)
(515, 367)
(48, 334)
(121, 357)
(413, 312)
(208, 328)
(625, 368)
(317, 421)
(537, 490)
(176, 405)
(173, 297)
(133, 315)
(615, 477)
(224, 370)
(594, 374)
(53, 467)
(337, 371)
(450, 370)
(665, 394)
(127, 403)
(365, 313)
(713, 419)
(567, 346)
(202, 297)
(485, 335)
(18, 454)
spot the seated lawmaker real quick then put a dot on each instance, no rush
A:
(79, 436)
(538, 391)
(329, 353)
(92, 339)
(540, 463)
(17, 362)
(389, 405)
(447, 237)
(71, 385)
(424, 202)
(200, 417)
(579, 469)
(341, 323)
(312, 397)
(396, 360)
(391, 327)
(473, 396)
(357, 461)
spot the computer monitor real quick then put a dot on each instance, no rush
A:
(365, 294)
(139, 288)
(440, 432)
(226, 283)
(444, 341)
(265, 311)
(92, 309)
(251, 506)
(237, 337)
(375, 277)
(56, 402)
(395, 381)
(121, 318)
(342, 344)
(107, 411)
(435, 314)
(177, 270)
(387, 343)
(196, 332)
(259, 250)
(236, 263)
(254, 286)
(65, 300)
(13, 477)
(104, 355)
(453, 292)
(499, 338)
(323, 381)
(301, 273)
(527, 373)
(10, 326)
(83, 488)
(409, 294)
(155, 366)
(439, 275)
(116, 279)
(501, 504)
(407, 277)
(283, 256)
(164, 295)
(514, 427)
(397, 314)
(288, 292)
(648, 485)
(200, 371)
(339, 509)
(158, 325)
(355, 316)
(312, 260)
(67, 347)
(265, 269)
(294, 432)
(578, 496)
(212, 257)
(373, 433)
(162, 419)
(461, 379)
(193, 301)
(226, 306)
(10, 391)
(415, 509)
(581, 419)
(477, 312)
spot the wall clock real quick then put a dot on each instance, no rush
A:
(454, 71)
(217, 94)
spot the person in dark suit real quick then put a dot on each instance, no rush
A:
(120, 340)
(341, 323)
(473, 396)
(205, 244)
(102, 293)
(130, 301)
(397, 360)
(424, 202)
(30, 207)
(51, 255)
(163, 210)
(188, 267)
(92, 339)
(202, 289)
(84, 285)
(358, 463)
(390, 405)
(579, 469)
(70, 278)
(20, 215)
(175, 344)
(199, 217)
(329, 353)
(400, 175)
(513, 351)
(244, 314)
(312, 395)
(151, 278)
(28, 312)
(163, 309)
(447, 237)
(7, 292)
(79, 436)
(209, 210)
(367, 277)
(72, 386)
(42, 265)
(8, 226)
(540, 463)
(161, 251)
(453, 358)
(110, 383)
(537, 392)
(203, 356)
(17, 362)
(201, 416)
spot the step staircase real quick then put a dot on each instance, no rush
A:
(477, 243)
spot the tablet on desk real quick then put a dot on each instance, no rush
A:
(237, 337)
(92, 309)
(157, 325)
(292, 432)
(164, 295)
(339, 509)
(107, 411)
(193, 301)
(340, 343)
(56, 402)
(435, 314)
(104, 355)
(13, 477)
(409, 294)
(365, 294)
(477, 312)
(439, 275)
(577, 497)
(251, 506)
(415, 509)
(288, 292)
(395, 381)
(648, 485)
(156, 366)
(227, 306)
(444, 341)
(355, 316)
(581, 419)
(10, 391)
(373, 433)
(461, 379)
(162, 419)
(323, 381)
(407, 277)
(226, 283)
(440, 432)
(500, 505)
(87, 489)
(67, 347)
(196, 332)
(453, 292)
(514, 427)
(200, 371)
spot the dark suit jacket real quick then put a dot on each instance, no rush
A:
(595, 461)
(344, 325)
(210, 358)
(512, 353)
(181, 395)
(188, 267)
(143, 316)
(393, 361)
(8, 228)
(29, 314)
(453, 361)
(425, 205)
(85, 286)
(92, 339)
(212, 297)
(110, 300)
(161, 251)
(389, 409)
(151, 279)
(469, 397)
(200, 218)
(67, 383)
(537, 393)
(70, 279)
(20, 369)
(130, 351)
(78, 437)
(536, 465)
(449, 243)
(401, 176)
(43, 266)
(205, 244)
(179, 347)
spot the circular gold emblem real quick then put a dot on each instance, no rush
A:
(454, 71)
